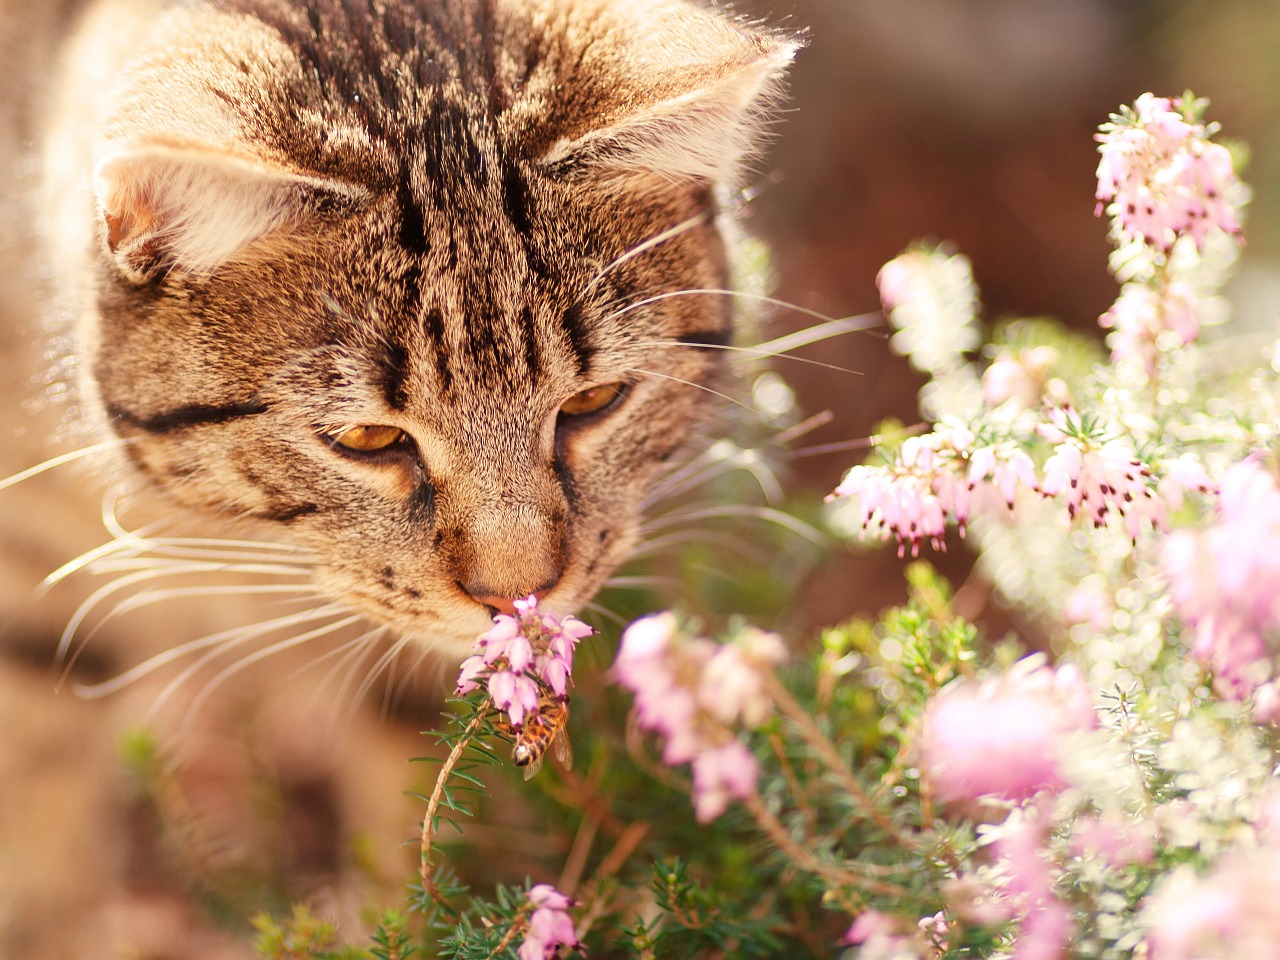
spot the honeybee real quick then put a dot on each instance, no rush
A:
(542, 729)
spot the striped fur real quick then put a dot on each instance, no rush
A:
(272, 220)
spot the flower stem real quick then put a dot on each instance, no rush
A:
(805, 860)
(437, 794)
(835, 763)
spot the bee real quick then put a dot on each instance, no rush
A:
(542, 729)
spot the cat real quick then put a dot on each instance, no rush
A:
(412, 285)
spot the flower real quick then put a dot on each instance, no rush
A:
(550, 926)
(1147, 320)
(1230, 914)
(693, 691)
(1005, 737)
(931, 300)
(520, 655)
(1099, 480)
(1021, 377)
(1161, 177)
(934, 478)
(1225, 580)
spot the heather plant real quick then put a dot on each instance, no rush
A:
(907, 787)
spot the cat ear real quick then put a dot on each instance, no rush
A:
(193, 210)
(703, 108)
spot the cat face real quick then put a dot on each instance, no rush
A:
(413, 290)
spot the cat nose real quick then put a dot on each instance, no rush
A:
(481, 593)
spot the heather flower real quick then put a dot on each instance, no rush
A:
(550, 926)
(1020, 377)
(1233, 913)
(692, 691)
(935, 478)
(1146, 321)
(519, 656)
(932, 301)
(1099, 480)
(1161, 177)
(1046, 927)
(1225, 580)
(1005, 737)
(880, 936)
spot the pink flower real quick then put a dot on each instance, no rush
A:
(1100, 482)
(1147, 321)
(519, 655)
(720, 774)
(1005, 737)
(692, 691)
(1046, 926)
(1020, 377)
(936, 477)
(1230, 914)
(550, 926)
(1225, 580)
(1161, 177)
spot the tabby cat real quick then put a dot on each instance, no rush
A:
(419, 286)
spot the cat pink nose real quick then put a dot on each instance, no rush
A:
(482, 593)
(501, 604)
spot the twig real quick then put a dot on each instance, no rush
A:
(433, 804)
(807, 861)
(835, 763)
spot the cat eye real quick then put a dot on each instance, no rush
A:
(593, 400)
(368, 439)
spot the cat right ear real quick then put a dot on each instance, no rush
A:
(694, 112)
(193, 210)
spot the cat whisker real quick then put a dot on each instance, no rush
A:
(60, 460)
(829, 328)
(753, 353)
(722, 457)
(835, 325)
(689, 383)
(666, 544)
(222, 640)
(249, 660)
(753, 511)
(627, 582)
(644, 247)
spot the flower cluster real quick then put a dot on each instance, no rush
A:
(1161, 176)
(1231, 914)
(1005, 737)
(930, 295)
(936, 477)
(1147, 320)
(692, 691)
(550, 926)
(1226, 580)
(1099, 479)
(521, 654)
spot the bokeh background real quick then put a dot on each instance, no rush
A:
(968, 121)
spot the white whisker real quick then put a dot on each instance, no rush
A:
(63, 458)
(837, 325)
(644, 247)
(737, 510)
(823, 331)
(224, 639)
(690, 383)
(255, 657)
(752, 352)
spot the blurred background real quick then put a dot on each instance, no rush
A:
(967, 121)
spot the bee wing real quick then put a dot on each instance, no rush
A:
(533, 766)
(564, 751)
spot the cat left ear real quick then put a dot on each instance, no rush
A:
(194, 210)
(702, 113)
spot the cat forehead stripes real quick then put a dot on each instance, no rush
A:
(424, 285)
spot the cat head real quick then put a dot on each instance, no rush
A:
(413, 288)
